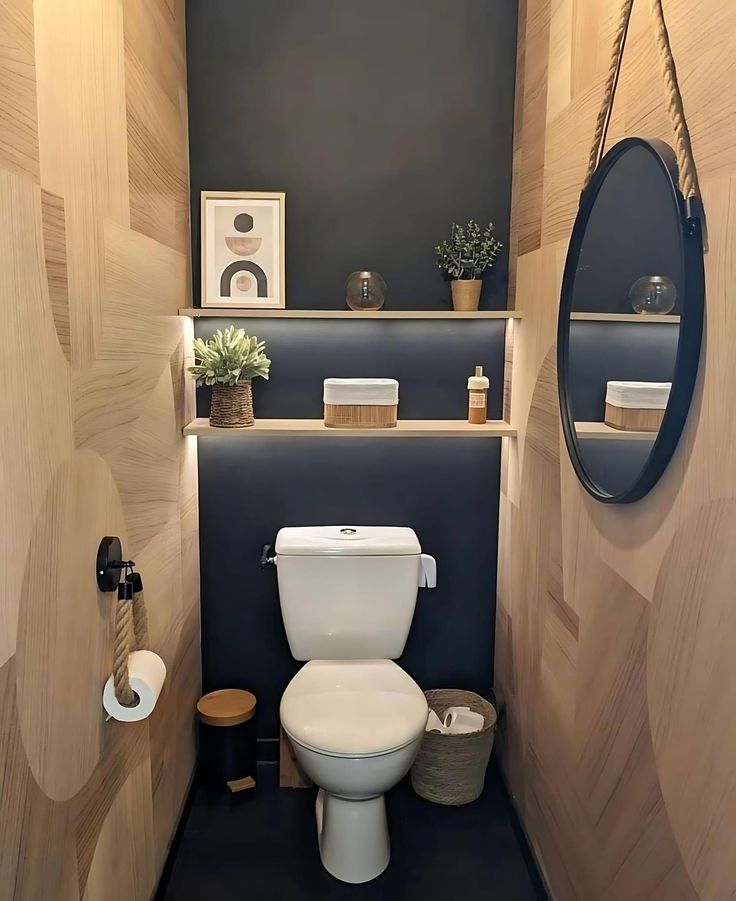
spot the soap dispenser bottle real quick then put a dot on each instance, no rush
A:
(478, 386)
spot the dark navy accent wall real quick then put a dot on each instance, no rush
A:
(445, 489)
(382, 121)
(431, 359)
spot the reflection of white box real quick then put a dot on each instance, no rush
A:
(636, 406)
(361, 403)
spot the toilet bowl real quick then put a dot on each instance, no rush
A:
(355, 718)
(355, 726)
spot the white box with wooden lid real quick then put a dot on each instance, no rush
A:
(361, 403)
(636, 406)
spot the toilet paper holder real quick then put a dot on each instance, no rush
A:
(109, 563)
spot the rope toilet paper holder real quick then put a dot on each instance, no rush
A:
(131, 620)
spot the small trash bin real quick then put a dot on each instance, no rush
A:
(451, 769)
(227, 739)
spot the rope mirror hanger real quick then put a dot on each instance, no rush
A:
(688, 177)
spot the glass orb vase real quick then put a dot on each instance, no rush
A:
(653, 294)
(365, 291)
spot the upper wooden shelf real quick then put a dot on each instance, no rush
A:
(405, 428)
(226, 313)
(625, 317)
(601, 430)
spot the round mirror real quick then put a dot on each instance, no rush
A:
(631, 321)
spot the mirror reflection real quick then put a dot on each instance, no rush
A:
(624, 319)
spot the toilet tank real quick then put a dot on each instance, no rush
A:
(347, 592)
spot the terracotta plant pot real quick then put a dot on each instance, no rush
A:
(232, 406)
(465, 294)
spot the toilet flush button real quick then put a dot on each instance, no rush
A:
(348, 531)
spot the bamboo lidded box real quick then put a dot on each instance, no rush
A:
(361, 403)
(636, 406)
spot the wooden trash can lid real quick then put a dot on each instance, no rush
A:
(227, 707)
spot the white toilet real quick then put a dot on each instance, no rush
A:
(354, 717)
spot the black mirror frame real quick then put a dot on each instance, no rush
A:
(691, 325)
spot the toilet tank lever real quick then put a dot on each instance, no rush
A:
(266, 559)
(428, 572)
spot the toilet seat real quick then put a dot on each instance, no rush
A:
(353, 708)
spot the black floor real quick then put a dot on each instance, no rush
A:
(263, 845)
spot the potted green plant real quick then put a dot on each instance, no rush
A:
(469, 252)
(228, 362)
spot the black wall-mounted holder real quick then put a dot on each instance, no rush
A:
(110, 563)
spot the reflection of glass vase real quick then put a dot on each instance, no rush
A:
(365, 291)
(653, 294)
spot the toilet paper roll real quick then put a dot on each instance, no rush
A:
(462, 720)
(147, 672)
(434, 723)
(452, 713)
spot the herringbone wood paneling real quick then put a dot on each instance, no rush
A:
(94, 249)
(616, 636)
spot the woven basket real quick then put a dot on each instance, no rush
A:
(465, 294)
(451, 769)
(232, 406)
(365, 416)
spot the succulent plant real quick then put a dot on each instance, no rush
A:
(469, 251)
(229, 357)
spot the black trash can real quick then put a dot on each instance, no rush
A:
(227, 739)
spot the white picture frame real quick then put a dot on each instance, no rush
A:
(242, 249)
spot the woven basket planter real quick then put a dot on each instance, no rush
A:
(465, 294)
(451, 769)
(232, 406)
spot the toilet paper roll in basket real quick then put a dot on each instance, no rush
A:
(462, 720)
(147, 672)
(434, 723)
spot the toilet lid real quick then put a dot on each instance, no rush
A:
(354, 707)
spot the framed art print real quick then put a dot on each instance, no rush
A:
(243, 249)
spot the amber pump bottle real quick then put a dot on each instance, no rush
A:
(478, 386)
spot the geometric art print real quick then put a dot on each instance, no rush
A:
(243, 249)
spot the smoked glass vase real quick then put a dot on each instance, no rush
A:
(365, 291)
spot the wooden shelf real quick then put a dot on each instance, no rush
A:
(601, 430)
(646, 318)
(406, 428)
(226, 313)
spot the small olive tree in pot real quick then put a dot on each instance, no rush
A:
(228, 362)
(469, 252)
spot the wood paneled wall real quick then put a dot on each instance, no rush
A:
(93, 266)
(616, 629)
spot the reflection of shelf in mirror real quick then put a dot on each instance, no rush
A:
(626, 317)
(601, 430)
